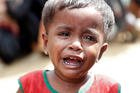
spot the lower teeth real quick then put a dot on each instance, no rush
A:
(67, 63)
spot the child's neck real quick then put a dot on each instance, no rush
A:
(64, 84)
(72, 81)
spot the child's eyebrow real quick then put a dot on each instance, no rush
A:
(65, 27)
(92, 31)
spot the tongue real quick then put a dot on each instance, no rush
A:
(72, 61)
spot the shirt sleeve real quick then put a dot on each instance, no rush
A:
(29, 82)
(20, 85)
(116, 88)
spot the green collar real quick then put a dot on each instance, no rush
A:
(83, 90)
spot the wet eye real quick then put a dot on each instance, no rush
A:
(90, 38)
(64, 34)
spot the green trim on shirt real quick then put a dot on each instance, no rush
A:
(83, 90)
(47, 83)
(119, 90)
(20, 85)
(87, 86)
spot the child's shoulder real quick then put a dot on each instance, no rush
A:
(33, 74)
(33, 82)
(103, 82)
(104, 79)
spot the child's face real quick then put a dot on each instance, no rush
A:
(75, 40)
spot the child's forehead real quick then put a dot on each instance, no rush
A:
(80, 14)
(84, 11)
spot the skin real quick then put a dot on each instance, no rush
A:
(74, 33)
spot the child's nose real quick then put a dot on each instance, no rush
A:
(76, 46)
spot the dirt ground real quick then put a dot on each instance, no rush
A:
(121, 62)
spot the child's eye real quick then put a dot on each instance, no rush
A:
(64, 34)
(90, 38)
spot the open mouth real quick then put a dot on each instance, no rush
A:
(73, 61)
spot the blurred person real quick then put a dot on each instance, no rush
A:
(135, 7)
(119, 12)
(133, 20)
(19, 23)
(75, 39)
(9, 34)
(28, 14)
(125, 21)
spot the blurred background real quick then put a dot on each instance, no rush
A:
(21, 44)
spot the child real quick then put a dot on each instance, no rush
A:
(75, 39)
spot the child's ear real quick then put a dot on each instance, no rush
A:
(45, 41)
(103, 49)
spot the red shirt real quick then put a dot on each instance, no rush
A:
(36, 82)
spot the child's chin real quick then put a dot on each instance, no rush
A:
(73, 75)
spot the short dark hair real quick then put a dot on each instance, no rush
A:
(52, 6)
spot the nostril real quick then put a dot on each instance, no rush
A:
(76, 46)
(71, 48)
